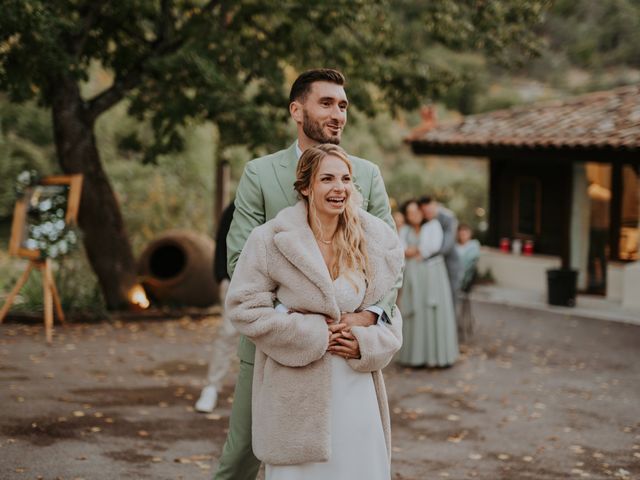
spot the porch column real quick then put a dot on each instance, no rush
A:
(579, 241)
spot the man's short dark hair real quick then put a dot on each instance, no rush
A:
(302, 86)
(425, 200)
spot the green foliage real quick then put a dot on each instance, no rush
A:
(78, 288)
(228, 62)
(175, 192)
(154, 199)
(596, 34)
(183, 63)
(25, 144)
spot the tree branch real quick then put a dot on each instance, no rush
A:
(89, 22)
(165, 23)
(107, 99)
(162, 46)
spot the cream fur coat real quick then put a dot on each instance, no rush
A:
(291, 381)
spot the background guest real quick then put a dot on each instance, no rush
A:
(223, 345)
(429, 325)
(468, 249)
(431, 210)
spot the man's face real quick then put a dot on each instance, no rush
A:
(323, 114)
(429, 210)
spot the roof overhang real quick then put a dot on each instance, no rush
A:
(605, 154)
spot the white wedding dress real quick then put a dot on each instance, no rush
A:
(358, 448)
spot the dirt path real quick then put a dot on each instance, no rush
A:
(535, 396)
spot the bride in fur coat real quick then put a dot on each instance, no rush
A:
(319, 406)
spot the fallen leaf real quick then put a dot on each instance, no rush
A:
(458, 437)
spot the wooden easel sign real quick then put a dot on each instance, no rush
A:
(41, 214)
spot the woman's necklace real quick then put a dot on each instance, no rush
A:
(326, 242)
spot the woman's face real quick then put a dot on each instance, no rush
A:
(331, 187)
(414, 215)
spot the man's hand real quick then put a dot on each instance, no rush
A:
(359, 319)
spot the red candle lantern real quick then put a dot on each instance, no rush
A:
(528, 247)
(504, 245)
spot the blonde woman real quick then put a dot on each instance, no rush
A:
(319, 404)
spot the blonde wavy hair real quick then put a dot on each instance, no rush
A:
(349, 245)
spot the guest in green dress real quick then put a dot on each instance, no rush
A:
(429, 323)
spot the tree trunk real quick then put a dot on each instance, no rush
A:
(104, 234)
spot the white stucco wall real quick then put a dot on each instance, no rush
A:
(631, 286)
(517, 271)
(615, 281)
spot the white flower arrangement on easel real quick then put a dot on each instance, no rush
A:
(44, 218)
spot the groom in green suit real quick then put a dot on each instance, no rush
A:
(318, 104)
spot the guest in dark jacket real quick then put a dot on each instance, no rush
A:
(223, 343)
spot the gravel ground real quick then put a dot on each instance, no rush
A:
(535, 395)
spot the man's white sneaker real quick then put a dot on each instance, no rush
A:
(208, 399)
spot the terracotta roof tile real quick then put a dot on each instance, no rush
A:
(602, 119)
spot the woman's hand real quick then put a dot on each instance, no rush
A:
(342, 342)
(335, 332)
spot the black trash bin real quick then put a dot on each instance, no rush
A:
(561, 287)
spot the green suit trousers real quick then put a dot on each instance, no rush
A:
(237, 461)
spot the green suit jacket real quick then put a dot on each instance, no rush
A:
(266, 187)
